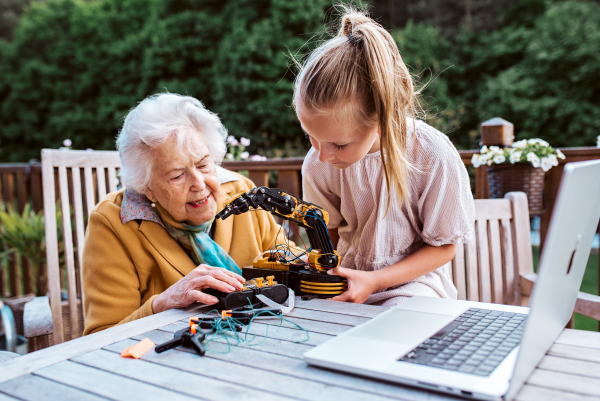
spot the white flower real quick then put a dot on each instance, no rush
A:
(559, 154)
(67, 142)
(89, 150)
(483, 159)
(245, 155)
(494, 149)
(520, 144)
(546, 164)
(515, 156)
(258, 158)
(229, 156)
(231, 139)
(535, 161)
(598, 142)
(475, 160)
(244, 141)
(543, 143)
(484, 149)
(499, 159)
(553, 160)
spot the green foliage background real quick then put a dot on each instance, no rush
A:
(74, 68)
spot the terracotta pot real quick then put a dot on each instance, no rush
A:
(504, 178)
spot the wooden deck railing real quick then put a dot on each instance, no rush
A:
(22, 182)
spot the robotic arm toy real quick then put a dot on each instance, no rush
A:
(304, 278)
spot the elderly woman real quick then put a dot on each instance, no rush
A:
(156, 245)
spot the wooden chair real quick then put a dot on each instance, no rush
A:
(497, 266)
(84, 178)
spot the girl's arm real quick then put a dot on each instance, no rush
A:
(361, 284)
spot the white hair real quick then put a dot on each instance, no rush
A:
(157, 119)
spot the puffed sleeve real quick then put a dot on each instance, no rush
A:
(320, 185)
(445, 202)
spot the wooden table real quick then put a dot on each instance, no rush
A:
(91, 368)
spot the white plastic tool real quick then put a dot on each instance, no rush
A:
(284, 309)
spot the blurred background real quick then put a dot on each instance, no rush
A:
(73, 68)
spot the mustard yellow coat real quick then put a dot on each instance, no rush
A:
(126, 265)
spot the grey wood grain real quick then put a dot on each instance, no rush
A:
(571, 366)
(579, 338)
(573, 352)
(49, 356)
(260, 361)
(280, 333)
(535, 393)
(260, 379)
(34, 388)
(173, 379)
(328, 317)
(270, 345)
(341, 308)
(105, 384)
(565, 382)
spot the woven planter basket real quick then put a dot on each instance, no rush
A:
(504, 178)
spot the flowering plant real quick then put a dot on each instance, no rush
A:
(237, 150)
(535, 151)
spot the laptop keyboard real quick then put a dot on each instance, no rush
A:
(475, 342)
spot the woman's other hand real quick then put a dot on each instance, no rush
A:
(361, 284)
(189, 289)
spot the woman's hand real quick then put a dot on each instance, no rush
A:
(361, 284)
(189, 289)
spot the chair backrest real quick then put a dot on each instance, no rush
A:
(84, 178)
(487, 268)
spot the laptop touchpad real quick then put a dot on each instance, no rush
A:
(402, 327)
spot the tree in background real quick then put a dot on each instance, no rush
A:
(75, 68)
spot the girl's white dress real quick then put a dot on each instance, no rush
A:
(355, 197)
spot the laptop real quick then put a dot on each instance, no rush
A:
(480, 350)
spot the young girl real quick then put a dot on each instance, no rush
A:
(396, 190)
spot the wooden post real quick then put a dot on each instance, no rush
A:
(497, 132)
(260, 178)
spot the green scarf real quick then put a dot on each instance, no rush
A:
(205, 250)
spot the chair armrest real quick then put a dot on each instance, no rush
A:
(527, 282)
(586, 304)
(37, 317)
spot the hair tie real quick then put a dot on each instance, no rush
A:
(356, 41)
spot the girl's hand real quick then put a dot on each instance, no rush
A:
(189, 289)
(361, 284)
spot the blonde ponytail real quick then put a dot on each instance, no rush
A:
(361, 68)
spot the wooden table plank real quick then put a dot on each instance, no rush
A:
(270, 345)
(580, 338)
(265, 362)
(49, 356)
(106, 384)
(327, 317)
(4, 397)
(535, 393)
(341, 308)
(573, 352)
(265, 380)
(35, 388)
(173, 379)
(280, 333)
(565, 382)
(570, 366)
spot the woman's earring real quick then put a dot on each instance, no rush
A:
(153, 204)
